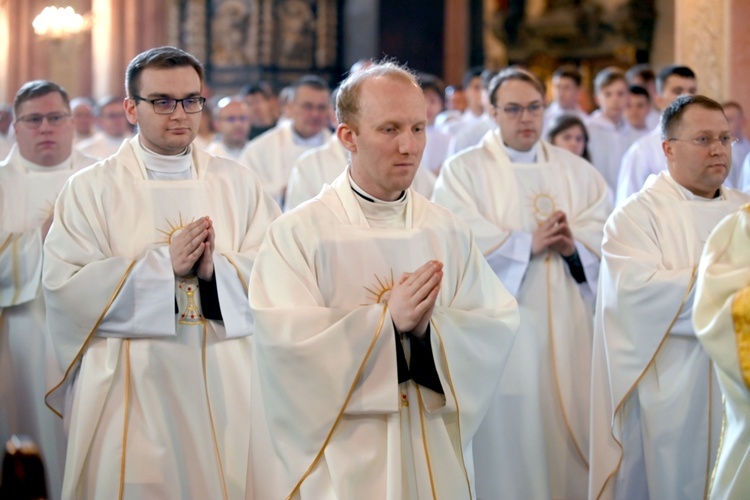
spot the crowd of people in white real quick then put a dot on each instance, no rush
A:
(395, 290)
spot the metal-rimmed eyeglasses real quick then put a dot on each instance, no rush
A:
(166, 106)
(35, 120)
(705, 141)
(515, 110)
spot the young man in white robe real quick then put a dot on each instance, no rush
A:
(381, 331)
(721, 317)
(537, 213)
(30, 179)
(656, 427)
(146, 266)
(610, 134)
(232, 123)
(741, 147)
(645, 157)
(113, 130)
(566, 89)
(272, 154)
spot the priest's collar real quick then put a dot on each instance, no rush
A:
(167, 164)
(364, 195)
(529, 156)
(308, 142)
(67, 164)
(689, 195)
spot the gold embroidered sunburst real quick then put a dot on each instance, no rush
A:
(379, 293)
(172, 228)
(542, 205)
(46, 210)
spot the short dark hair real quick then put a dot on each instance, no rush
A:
(514, 73)
(432, 82)
(643, 71)
(607, 77)
(638, 90)
(106, 101)
(471, 73)
(562, 123)
(570, 72)
(38, 88)
(672, 70)
(161, 58)
(672, 116)
(312, 81)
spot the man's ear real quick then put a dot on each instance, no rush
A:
(346, 134)
(130, 114)
(668, 148)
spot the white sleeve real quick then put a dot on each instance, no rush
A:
(235, 308)
(684, 324)
(145, 305)
(511, 260)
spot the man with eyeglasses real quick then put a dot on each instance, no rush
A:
(113, 129)
(232, 124)
(537, 213)
(645, 156)
(30, 179)
(657, 428)
(146, 271)
(272, 154)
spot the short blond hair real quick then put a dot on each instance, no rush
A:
(348, 97)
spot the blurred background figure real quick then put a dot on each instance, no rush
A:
(569, 132)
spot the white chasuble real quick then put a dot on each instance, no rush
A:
(336, 423)
(27, 197)
(655, 430)
(156, 397)
(534, 441)
(722, 321)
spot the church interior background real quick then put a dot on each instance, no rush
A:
(243, 41)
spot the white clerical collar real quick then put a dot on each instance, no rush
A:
(308, 142)
(67, 164)
(690, 196)
(523, 156)
(365, 195)
(171, 164)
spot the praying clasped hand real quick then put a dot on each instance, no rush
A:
(189, 245)
(553, 233)
(413, 297)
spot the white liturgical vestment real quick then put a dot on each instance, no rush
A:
(656, 428)
(100, 145)
(27, 197)
(272, 154)
(643, 158)
(534, 441)
(721, 317)
(607, 145)
(337, 424)
(155, 396)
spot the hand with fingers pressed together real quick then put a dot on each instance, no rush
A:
(554, 233)
(195, 243)
(413, 298)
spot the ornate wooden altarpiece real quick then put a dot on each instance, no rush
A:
(245, 41)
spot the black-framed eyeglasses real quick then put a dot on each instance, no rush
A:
(515, 110)
(165, 106)
(34, 121)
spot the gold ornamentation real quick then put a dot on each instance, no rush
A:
(543, 206)
(172, 228)
(741, 319)
(380, 293)
(192, 314)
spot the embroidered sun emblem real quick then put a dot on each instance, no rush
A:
(543, 205)
(172, 228)
(380, 293)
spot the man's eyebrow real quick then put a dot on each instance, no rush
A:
(156, 95)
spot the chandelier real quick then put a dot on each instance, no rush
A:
(60, 22)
